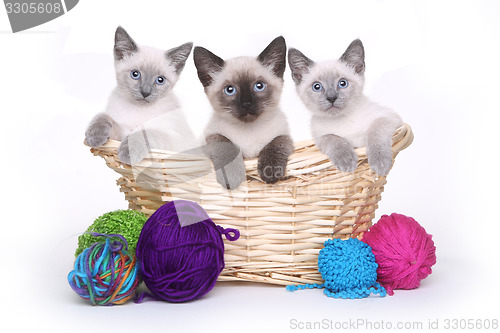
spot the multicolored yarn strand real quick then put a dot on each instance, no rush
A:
(180, 252)
(403, 250)
(105, 273)
(348, 268)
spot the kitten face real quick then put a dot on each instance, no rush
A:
(330, 86)
(144, 73)
(243, 88)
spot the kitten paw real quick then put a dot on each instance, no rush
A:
(380, 160)
(346, 160)
(271, 169)
(98, 133)
(124, 152)
(273, 159)
(227, 161)
(232, 174)
(132, 151)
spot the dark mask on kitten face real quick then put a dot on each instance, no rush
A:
(243, 87)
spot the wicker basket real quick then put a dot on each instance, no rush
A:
(283, 226)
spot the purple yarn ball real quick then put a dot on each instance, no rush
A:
(180, 251)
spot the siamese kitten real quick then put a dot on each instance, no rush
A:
(342, 117)
(142, 111)
(246, 121)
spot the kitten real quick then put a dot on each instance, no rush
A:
(247, 121)
(142, 110)
(342, 117)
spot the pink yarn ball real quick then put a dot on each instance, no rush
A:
(403, 250)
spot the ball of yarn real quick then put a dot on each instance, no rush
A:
(105, 273)
(180, 252)
(127, 223)
(348, 268)
(403, 250)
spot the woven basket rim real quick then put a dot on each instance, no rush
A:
(402, 139)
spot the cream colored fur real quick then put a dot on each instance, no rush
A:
(143, 112)
(343, 118)
(358, 113)
(249, 137)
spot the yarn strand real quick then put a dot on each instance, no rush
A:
(104, 273)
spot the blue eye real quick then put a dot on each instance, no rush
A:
(135, 74)
(317, 86)
(230, 90)
(343, 83)
(160, 80)
(259, 86)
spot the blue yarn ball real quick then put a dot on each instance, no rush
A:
(348, 268)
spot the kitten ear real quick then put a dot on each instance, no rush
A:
(124, 44)
(274, 56)
(207, 64)
(178, 56)
(299, 65)
(354, 56)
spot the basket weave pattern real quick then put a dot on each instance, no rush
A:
(283, 226)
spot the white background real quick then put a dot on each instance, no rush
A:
(435, 62)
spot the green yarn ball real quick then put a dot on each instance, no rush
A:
(127, 223)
